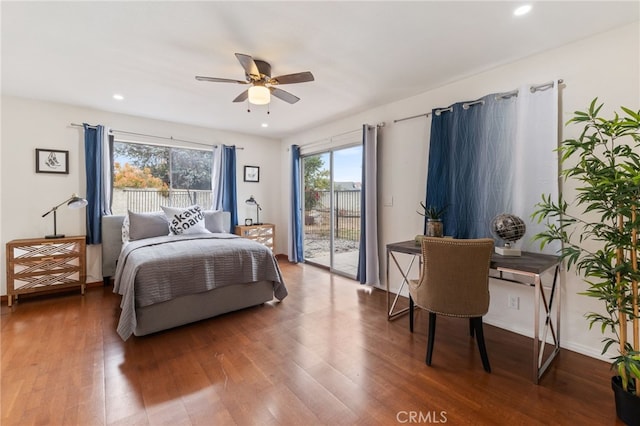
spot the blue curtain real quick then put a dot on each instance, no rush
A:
(470, 164)
(229, 192)
(296, 248)
(368, 262)
(96, 152)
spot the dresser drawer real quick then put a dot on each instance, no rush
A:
(264, 233)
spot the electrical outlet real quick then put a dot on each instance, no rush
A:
(514, 302)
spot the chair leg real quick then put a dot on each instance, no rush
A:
(477, 325)
(430, 338)
(410, 314)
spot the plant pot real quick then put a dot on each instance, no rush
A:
(309, 220)
(434, 228)
(627, 404)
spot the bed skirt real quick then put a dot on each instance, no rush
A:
(195, 307)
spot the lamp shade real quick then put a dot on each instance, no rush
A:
(76, 202)
(259, 95)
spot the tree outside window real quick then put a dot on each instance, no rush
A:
(146, 177)
(144, 166)
(316, 180)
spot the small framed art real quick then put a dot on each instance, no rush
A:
(251, 174)
(52, 161)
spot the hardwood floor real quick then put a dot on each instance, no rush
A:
(325, 355)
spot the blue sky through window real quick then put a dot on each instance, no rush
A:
(347, 164)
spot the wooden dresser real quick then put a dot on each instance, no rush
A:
(41, 264)
(264, 233)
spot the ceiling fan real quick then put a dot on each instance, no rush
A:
(262, 85)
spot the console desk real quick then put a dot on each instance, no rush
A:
(514, 269)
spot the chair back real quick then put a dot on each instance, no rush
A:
(454, 278)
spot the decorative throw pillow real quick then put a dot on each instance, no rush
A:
(213, 221)
(147, 225)
(125, 229)
(189, 220)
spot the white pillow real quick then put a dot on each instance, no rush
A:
(189, 220)
(213, 221)
(125, 229)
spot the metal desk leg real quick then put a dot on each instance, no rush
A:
(550, 326)
(538, 351)
(536, 328)
(540, 363)
(405, 280)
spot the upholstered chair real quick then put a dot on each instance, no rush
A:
(454, 281)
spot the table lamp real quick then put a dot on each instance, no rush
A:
(74, 202)
(252, 202)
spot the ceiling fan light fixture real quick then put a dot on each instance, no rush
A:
(259, 95)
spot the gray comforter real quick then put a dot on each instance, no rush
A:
(158, 269)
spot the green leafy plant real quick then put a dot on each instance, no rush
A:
(311, 198)
(431, 212)
(599, 229)
(316, 180)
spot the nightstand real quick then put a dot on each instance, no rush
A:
(41, 264)
(264, 233)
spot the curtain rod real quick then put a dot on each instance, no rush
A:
(330, 138)
(381, 124)
(534, 88)
(171, 138)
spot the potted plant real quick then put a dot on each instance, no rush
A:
(434, 219)
(598, 232)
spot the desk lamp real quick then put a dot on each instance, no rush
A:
(252, 202)
(74, 202)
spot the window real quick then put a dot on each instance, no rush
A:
(146, 177)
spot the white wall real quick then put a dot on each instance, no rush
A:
(26, 195)
(606, 66)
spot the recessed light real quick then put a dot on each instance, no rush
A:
(265, 124)
(118, 97)
(522, 10)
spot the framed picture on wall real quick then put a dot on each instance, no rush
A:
(52, 161)
(251, 174)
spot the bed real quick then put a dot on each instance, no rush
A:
(169, 281)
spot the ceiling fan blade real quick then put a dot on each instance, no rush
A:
(285, 96)
(242, 96)
(219, 80)
(250, 67)
(300, 77)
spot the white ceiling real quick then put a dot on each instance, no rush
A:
(362, 54)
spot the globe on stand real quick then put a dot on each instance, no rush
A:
(509, 228)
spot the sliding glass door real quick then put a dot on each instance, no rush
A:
(332, 183)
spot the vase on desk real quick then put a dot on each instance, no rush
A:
(434, 228)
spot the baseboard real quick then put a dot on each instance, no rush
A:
(573, 347)
(4, 299)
